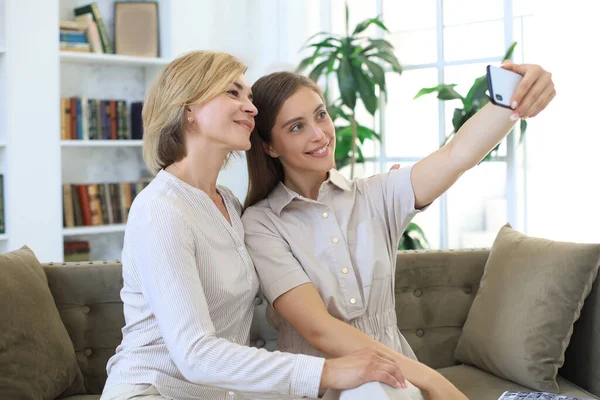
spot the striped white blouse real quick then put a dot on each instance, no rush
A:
(188, 291)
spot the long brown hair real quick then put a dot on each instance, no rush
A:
(269, 92)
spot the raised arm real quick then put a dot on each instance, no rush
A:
(436, 173)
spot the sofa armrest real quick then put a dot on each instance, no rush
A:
(434, 292)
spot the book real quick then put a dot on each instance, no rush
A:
(536, 396)
(93, 9)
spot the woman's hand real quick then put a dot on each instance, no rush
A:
(534, 92)
(366, 365)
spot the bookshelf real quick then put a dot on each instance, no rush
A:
(109, 77)
(35, 74)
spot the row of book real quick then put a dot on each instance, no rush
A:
(99, 203)
(77, 250)
(93, 119)
(87, 33)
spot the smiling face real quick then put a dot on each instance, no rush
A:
(226, 120)
(303, 137)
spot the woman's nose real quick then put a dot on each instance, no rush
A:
(318, 134)
(250, 108)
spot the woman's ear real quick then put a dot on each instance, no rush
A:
(269, 150)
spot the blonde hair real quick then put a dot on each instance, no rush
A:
(193, 78)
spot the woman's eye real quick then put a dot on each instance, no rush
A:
(322, 115)
(234, 93)
(296, 128)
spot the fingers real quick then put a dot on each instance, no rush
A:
(383, 377)
(520, 69)
(532, 99)
(395, 166)
(523, 88)
(541, 103)
(389, 364)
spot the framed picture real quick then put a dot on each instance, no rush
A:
(136, 28)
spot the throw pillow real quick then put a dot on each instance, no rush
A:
(531, 294)
(37, 359)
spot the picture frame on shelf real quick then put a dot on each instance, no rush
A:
(137, 28)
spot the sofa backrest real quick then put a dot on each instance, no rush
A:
(87, 295)
(434, 292)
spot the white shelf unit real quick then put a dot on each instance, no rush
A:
(93, 230)
(111, 59)
(101, 143)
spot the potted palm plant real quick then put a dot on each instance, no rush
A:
(475, 99)
(359, 63)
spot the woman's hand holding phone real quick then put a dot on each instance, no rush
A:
(533, 93)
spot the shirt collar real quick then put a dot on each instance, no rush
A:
(281, 195)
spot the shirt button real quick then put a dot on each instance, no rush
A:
(345, 270)
(335, 240)
(241, 248)
(352, 300)
(325, 215)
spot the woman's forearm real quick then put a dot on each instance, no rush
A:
(339, 339)
(478, 136)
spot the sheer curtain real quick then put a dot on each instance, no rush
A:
(563, 151)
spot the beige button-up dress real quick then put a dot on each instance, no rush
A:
(345, 243)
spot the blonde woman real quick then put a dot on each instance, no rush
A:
(188, 281)
(325, 247)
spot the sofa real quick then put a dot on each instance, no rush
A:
(434, 292)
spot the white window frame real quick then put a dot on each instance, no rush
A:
(511, 152)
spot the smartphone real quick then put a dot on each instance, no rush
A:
(502, 84)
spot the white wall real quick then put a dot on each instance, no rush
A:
(563, 156)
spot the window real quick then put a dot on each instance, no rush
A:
(443, 41)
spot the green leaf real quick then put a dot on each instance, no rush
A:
(457, 118)
(380, 45)
(318, 34)
(366, 90)
(362, 133)
(377, 72)
(347, 17)
(359, 155)
(304, 64)
(510, 51)
(448, 93)
(434, 89)
(318, 71)
(337, 112)
(361, 26)
(523, 127)
(389, 58)
(343, 146)
(346, 83)
(325, 43)
(477, 92)
(413, 238)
